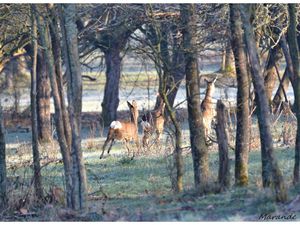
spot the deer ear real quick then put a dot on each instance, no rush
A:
(129, 104)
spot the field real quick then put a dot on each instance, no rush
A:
(140, 190)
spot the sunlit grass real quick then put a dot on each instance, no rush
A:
(140, 189)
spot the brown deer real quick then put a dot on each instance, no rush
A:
(153, 121)
(208, 107)
(124, 130)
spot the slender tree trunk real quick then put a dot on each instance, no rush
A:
(294, 53)
(243, 126)
(222, 136)
(3, 180)
(177, 68)
(163, 66)
(35, 144)
(281, 90)
(75, 103)
(43, 100)
(197, 137)
(57, 54)
(228, 59)
(111, 92)
(270, 168)
(64, 148)
(270, 72)
(43, 96)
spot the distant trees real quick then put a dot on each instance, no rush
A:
(108, 28)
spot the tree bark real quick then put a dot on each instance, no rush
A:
(43, 96)
(43, 100)
(64, 148)
(177, 67)
(57, 54)
(75, 103)
(294, 53)
(111, 100)
(243, 126)
(270, 72)
(222, 136)
(197, 137)
(3, 179)
(270, 168)
(34, 122)
(281, 90)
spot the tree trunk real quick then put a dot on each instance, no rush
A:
(43, 96)
(243, 126)
(197, 137)
(43, 106)
(75, 103)
(64, 148)
(177, 67)
(111, 92)
(34, 123)
(57, 54)
(270, 72)
(281, 90)
(9, 79)
(294, 53)
(222, 136)
(270, 168)
(43, 100)
(3, 180)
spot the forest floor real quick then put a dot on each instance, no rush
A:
(121, 189)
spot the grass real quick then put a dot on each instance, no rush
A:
(140, 189)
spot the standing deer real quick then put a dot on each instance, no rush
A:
(208, 107)
(124, 130)
(153, 121)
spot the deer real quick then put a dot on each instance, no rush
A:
(153, 121)
(125, 131)
(208, 107)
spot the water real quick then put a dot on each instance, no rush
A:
(91, 99)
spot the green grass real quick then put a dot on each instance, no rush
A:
(140, 189)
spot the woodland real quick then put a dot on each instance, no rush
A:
(149, 112)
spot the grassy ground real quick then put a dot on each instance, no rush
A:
(140, 190)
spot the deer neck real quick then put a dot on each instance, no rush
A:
(209, 93)
(134, 117)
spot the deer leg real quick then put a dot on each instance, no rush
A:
(127, 147)
(137, 146)
(104, 146)
(111, 144)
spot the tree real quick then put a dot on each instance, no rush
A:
(242, 102)
(59, 122)
(108, 29)
(197, 136)
(270, 71)
(3, 179)
(55, 32)
(34, 122)
(222, 136)
(70, 46)
(42, 95)
(270, 169)
(294, 53)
